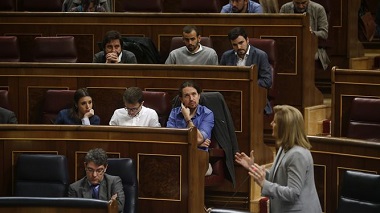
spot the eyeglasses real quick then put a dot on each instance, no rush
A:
(98, 171)
(133, 109)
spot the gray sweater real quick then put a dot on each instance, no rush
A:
(207, 56)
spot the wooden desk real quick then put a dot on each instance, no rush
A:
(332, 156)
(181, 166)
(56, 205)
(348, 84)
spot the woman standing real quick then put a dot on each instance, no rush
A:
(289, 184)
(81, 112)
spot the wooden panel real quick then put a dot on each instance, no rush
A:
(56, 205)
(348, 84)
(332, 156)
(171, 154)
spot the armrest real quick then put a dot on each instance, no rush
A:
(216, 152)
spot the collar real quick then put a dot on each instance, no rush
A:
(200, 49)
(246, 53)
(137, 115)
(121, 54)
(89, 183)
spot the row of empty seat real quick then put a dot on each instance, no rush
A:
(46, 49)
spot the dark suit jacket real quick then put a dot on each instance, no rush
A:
(7, 116)
(108, 187)
(127, 57)
(224, 130)
(258, 57)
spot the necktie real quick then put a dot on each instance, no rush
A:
(95, 191)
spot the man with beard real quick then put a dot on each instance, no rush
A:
(112, 50)
(193, 52)
(242, 6)
(244, 54)
(318, 23)
(191, 114)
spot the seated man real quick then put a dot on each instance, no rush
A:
(191, 114)
(112, 50)
(319, 25)
(7, 116)
(193, 52)
(242, 6)
(244, 54)
(134, 113)
(96, 184)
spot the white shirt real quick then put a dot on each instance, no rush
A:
(146, 117)
(119, 58)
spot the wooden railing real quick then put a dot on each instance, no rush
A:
(348, 84)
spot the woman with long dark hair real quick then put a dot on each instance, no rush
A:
(81, 112)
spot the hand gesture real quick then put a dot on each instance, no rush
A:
(258, 173)
(185, 112)
(112, 57)
(89, 114)
(114, 197)
(205, 143)
(244, 160)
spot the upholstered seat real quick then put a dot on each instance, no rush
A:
(55, 49)
(40, 5)
(146, 6)
(55, 101)
(269, 47)
(364, 119)
(7, 5)
(177, 42)
(200, 6)
(9, 50)
(125, 168)
(160, 102)
(41, 175)
(359, 192)
(217, 159)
